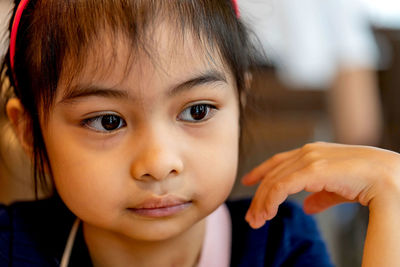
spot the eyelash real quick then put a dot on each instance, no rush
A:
(117, 122)
(207, 108)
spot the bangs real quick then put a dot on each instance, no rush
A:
(75, 30)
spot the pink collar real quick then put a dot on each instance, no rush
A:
(216, 251)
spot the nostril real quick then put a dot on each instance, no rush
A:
(157, 176)
(156, 166)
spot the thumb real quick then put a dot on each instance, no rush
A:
(320, 201)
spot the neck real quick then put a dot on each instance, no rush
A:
(110, 249)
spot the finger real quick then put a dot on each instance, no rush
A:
(274, 189)
(258, 173)
(302, 175)
(280, 191)
(320, 201)
(272, 192)
(253, 217)
(267, 209)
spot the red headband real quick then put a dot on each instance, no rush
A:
(20, 9)
(14, 30)
(236, 8)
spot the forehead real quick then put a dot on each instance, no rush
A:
(113, 58)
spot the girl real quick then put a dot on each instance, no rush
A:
(132, 108)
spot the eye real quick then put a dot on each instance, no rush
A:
(105, 123)
(197, 113)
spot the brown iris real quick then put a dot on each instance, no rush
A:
(110, 122)
(198, 112)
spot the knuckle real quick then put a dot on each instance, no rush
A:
(313, 146)
(316, 166)
(308, 147)
(310, 151)
(277, 157)
(311, 155)
(314, 187)
(348, 194)
(278, 187)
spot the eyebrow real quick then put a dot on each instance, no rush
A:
(81, 91)
(211, 76)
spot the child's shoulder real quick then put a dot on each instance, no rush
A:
(33, 233)
(290, 239)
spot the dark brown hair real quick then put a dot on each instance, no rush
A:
(55, 37)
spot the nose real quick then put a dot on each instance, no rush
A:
(157, 158)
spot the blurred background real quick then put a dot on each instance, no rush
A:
(331, 72)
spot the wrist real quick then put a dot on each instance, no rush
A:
(387, 192)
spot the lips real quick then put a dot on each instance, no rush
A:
(156, 207)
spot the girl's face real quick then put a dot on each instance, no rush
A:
(150, 150)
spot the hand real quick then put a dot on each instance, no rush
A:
(334, 173)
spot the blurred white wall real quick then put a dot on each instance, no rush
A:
(384, 13)
(5, 12)
(309, 40)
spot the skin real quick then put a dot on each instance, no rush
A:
(157, 151)
(335, 174)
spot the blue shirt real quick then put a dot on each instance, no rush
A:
(290, 239)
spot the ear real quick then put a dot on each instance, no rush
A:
(20, 123)
(248, 79)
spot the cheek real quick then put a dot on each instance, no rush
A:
(84, 180)
(216, 164)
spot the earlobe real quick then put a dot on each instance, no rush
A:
(20, 123)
